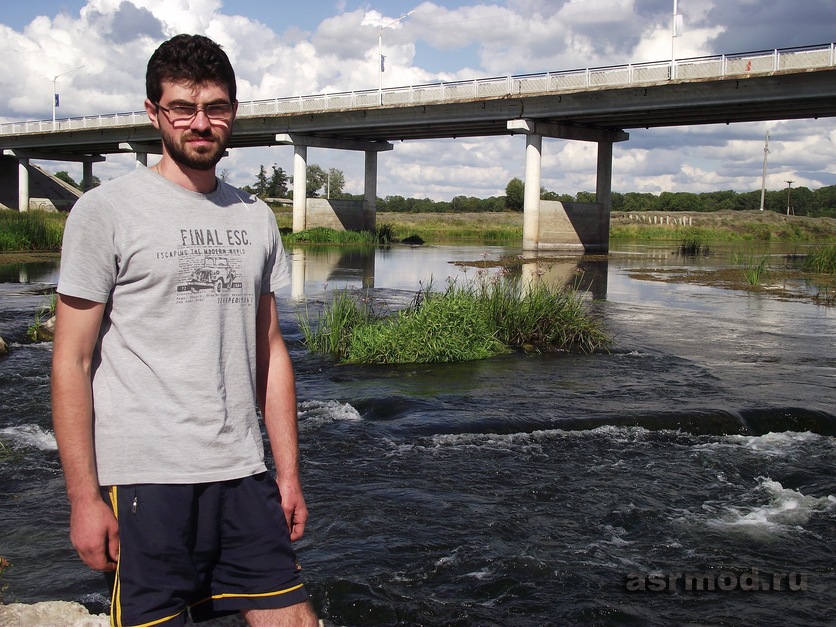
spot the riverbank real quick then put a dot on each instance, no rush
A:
(717, 226)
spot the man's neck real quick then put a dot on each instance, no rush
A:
(201, 181)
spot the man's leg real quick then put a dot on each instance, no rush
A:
(299, 615)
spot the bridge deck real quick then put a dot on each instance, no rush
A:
(770, 85)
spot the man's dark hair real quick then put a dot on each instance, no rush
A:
(193, 59)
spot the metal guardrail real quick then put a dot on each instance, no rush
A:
(699, 68)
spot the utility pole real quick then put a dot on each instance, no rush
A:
(789, 186)
(763, 178)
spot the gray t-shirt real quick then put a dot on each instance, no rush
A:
(174, 371)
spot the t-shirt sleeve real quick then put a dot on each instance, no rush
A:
(89, 261)
(277, 268)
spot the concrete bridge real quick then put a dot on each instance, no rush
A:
(593, 104)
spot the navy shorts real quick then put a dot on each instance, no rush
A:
(202, 550)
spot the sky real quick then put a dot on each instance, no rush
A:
(98, 50)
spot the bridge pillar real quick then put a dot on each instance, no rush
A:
(23, 185)
(86, 176)
(531, 198)
(300, 187)
(603, 189)
(370, 191)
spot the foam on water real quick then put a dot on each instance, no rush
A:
(780, 511)
(318, 413)
(29, 436)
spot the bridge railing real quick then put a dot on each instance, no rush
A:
(714, 67)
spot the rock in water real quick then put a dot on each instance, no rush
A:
(50, 614)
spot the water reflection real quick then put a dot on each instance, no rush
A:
(33, 272)
(315, 270)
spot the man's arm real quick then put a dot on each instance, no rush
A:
(93, 528)
(277, 399)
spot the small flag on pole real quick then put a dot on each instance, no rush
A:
(56, 100)
(382, 63)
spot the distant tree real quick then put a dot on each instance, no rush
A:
(334, 183)
(586, 197)
(276, 187)
(260, 187)
(515, 195)
(65, 176)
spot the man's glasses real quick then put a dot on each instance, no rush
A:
(221, 111)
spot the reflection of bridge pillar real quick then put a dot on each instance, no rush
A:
(300, 188)
(531, 200)
(23, 185)
(370, 191)
(297, 274)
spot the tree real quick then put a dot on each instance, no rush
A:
(277, 185)
(515, 195)
(260, 187)
(335, 183)
(65, 176)
(316, 179)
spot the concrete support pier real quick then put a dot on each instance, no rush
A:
(300, 189)
(549, 225)
(23, 185)
(531, 198)
(370, 191)
(346, 214)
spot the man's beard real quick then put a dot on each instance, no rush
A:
(202, 158)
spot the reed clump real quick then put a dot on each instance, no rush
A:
(822, 260)
(477, 319)
(754, 270)
(30, 231)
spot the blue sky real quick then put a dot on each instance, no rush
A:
(291, 48)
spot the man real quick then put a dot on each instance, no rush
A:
(167, 344)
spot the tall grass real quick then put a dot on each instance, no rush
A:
(822, 260)
(321, 235)
(30, 231)
(474, 320)
(754, 270)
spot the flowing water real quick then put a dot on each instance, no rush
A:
(606, 489)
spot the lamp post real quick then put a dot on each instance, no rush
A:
(676, 26)
(789, 186)
(55, 92)
(380, 54)
(763, 178)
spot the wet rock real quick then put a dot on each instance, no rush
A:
(50, 614)
(4, 348)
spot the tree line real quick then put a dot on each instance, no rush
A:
(330, 183)
(803, 201)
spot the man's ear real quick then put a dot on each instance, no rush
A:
(152, 111)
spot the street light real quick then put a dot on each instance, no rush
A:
(789, 186)
(380, 53)
(55, 93)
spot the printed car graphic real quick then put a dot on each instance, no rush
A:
(215, 274)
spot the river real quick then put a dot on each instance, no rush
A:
(559, 489)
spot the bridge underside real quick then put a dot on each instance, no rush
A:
(598, 115)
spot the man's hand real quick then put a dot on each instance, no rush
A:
(295, 510)
(94, 533)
